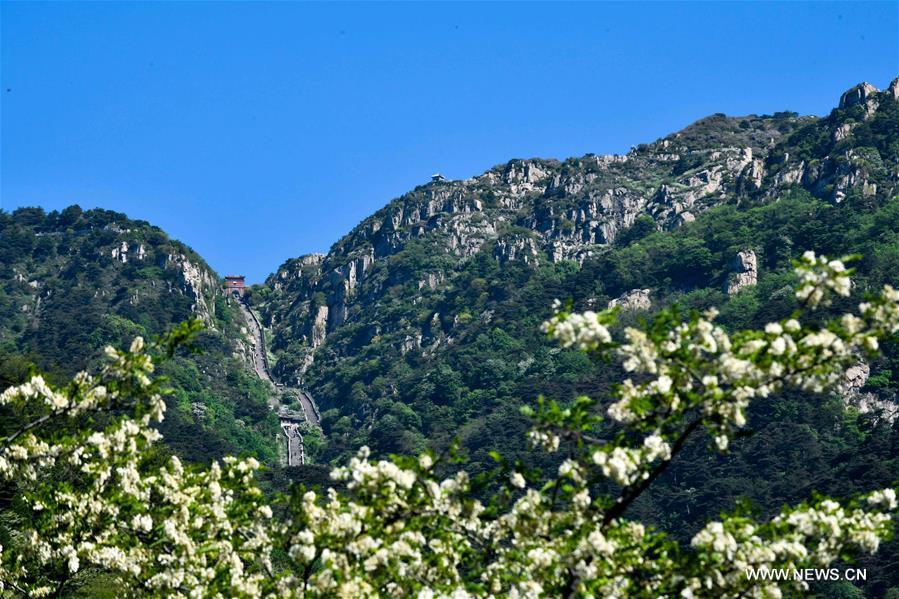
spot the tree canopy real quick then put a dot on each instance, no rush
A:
(93, 497)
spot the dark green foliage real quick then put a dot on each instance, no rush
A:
(643, 226)
(413, 364)
(66, 293)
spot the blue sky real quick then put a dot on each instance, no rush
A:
(284, 124)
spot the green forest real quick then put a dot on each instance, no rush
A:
(64, 296)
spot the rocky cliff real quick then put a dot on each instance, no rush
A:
(548, 211)
(73, 281)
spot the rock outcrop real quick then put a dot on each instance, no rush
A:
(745, 272)
(201, 283)
(860, 94)
(856, 377)
(863, 94)
(538, 211)
(198, 281)
(319, 326)
(523, 248)
(635, 299)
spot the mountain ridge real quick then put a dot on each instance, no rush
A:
(74, 281)
(544, 210)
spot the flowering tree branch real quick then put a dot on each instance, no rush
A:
(399, 530)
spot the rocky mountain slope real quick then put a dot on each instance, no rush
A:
(422, 325)
(72, 282)
(540, 212)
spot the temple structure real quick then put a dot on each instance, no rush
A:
(235, 284)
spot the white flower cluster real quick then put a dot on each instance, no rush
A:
(583, 331)
(195, 516)
(673, 385)
(35, 389)
(380, 530)
(626, 465)
(379, 476)
(697, 364)
(398, 530)
(29, 454)
(809, 536)
(118, 512)
(882, 317)
(818, 275)
(549, 441)
(885, 499)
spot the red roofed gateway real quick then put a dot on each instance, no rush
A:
(235, 284)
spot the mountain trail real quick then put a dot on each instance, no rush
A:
(290, 421)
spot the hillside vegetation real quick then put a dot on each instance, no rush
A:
(422, 325)
(73, 282)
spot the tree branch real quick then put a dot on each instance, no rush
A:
(619, 508)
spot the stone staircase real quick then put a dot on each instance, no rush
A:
(291, 421)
